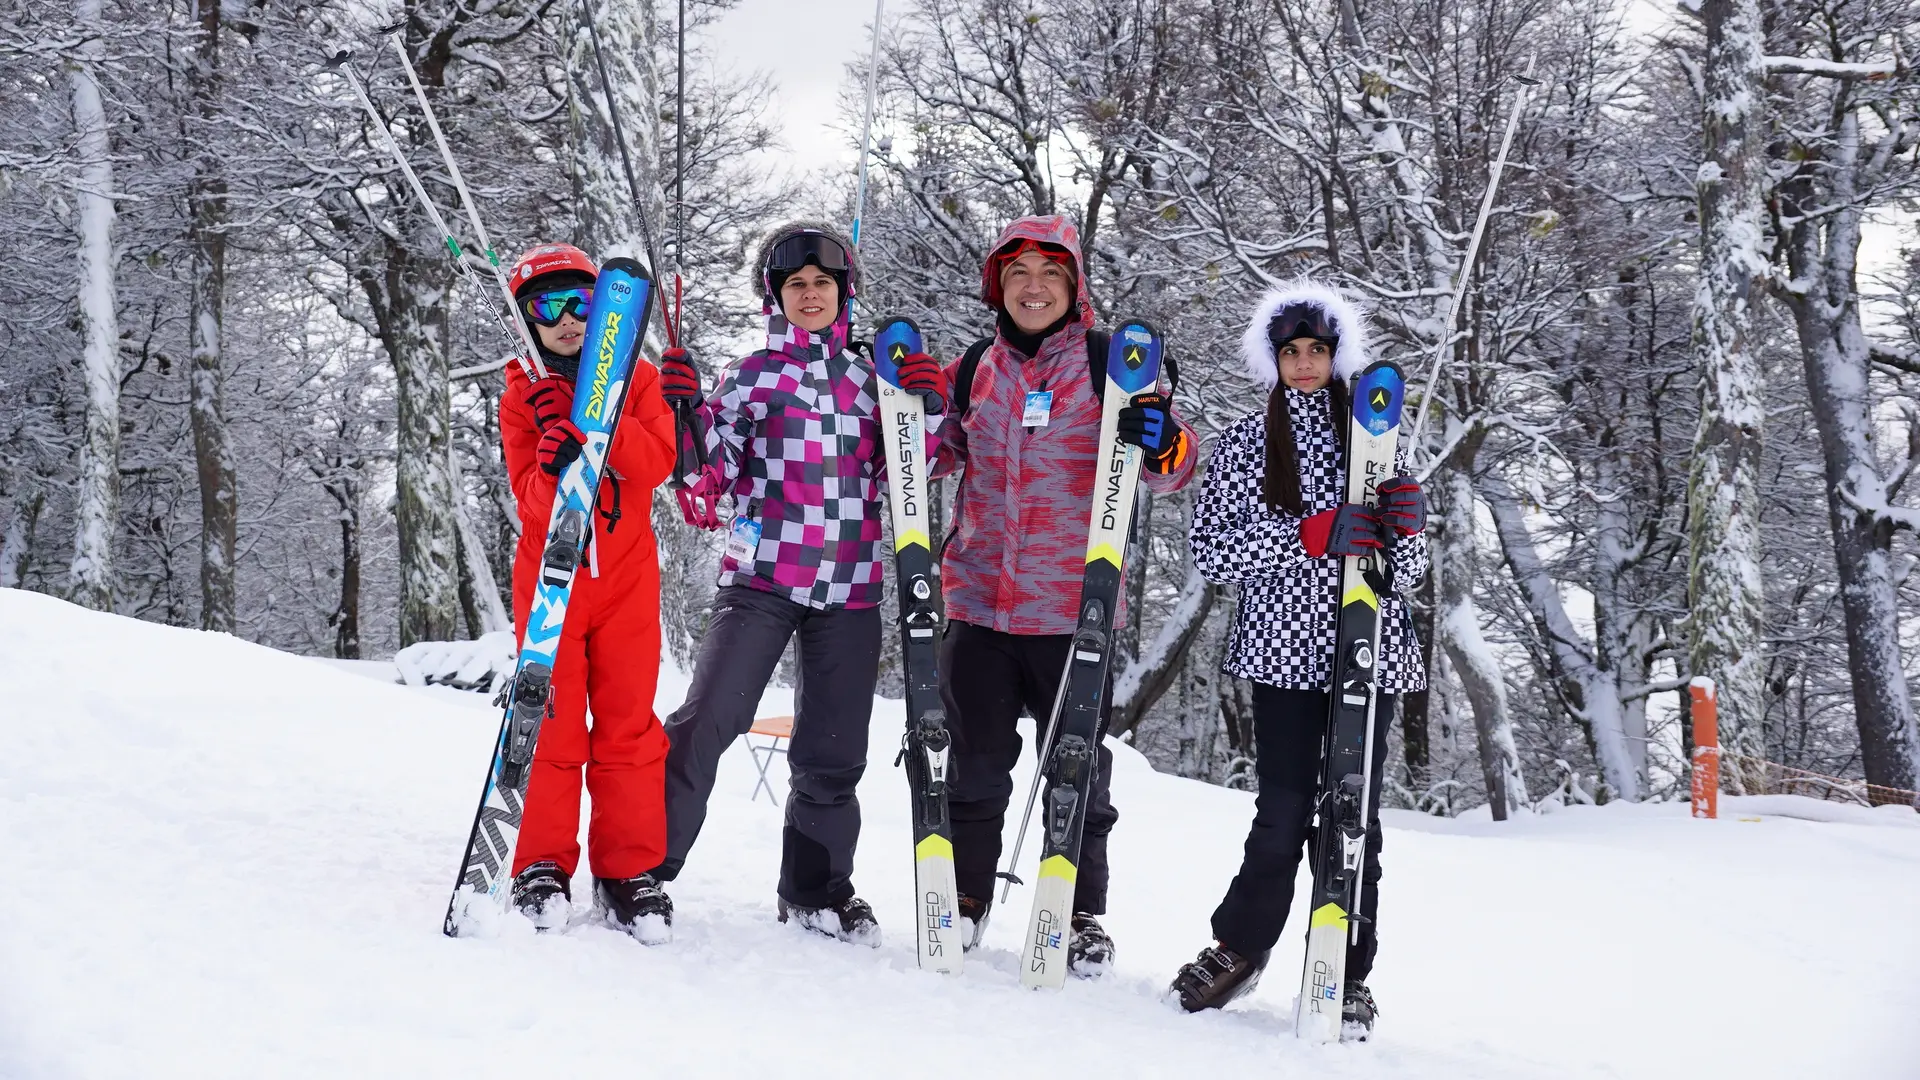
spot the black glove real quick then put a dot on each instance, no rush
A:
(1350, 530)
(1403, 506)
(1147, 422)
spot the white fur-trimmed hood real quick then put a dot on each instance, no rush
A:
(1349, 320)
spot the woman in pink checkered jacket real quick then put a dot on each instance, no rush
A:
(792, 434)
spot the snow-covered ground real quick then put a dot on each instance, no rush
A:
(223, 861)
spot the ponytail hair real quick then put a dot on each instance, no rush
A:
(1281, 483)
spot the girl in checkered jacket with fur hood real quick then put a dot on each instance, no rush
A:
(1271, 519)
(793, 436)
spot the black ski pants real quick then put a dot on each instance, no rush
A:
(839, 656)
(1289, 727)
(986, 678)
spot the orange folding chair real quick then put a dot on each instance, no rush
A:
(778, 731)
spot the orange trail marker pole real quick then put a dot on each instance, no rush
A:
(1706, 747)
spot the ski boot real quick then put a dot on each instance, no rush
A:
(1217, 976)
(973, 921)
(1090, 951)
(851, 920)
(1357, 1013)
(542, 893)
(637, 905)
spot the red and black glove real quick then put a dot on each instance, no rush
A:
(1348, 531)
(1403, 506)
(551, 400)
(1147, 422)
(920, 374)
(679, 380)
(559, 447)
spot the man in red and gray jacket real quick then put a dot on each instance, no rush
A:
(1012, 567)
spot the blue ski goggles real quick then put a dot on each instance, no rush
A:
(548, 308)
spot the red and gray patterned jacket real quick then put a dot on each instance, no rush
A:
(1018, 549)
(793, 431)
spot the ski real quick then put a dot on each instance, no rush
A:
(1342, 810)
(924, 746)
(1133, 366)
(616, 323)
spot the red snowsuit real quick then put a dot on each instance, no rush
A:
(609, 649)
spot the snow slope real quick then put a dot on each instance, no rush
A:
(223, 861)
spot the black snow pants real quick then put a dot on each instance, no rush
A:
(986, 676)
(839, 656)
(1289, 727)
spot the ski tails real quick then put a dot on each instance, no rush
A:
(924, 747)
(1133, 366)
(1340, 836)
(622, 301)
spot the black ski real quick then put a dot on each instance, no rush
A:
(1340, 837)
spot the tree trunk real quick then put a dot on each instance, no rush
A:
(606, 216)
(1457, 625)
(1152, 674)
(207, 239)
(1415, 740)
(97, 501)
(1726, 599)
(1836, 355)
(16, 544)
(423, 477)
(346, 617)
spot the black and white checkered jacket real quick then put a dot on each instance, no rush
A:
(1283, 632)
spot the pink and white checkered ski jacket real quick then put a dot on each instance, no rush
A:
(794, 432)
(1018, 548)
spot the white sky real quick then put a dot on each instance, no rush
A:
(806, 46)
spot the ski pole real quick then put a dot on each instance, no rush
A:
(1526, 81)
(343, 63)
(620, 135)
(1033, 790)
(866, 128)
(466, 197)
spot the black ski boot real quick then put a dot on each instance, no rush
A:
(1357, 1013)
(542, 893)
(973, 921)
(637, 905)
(851, 920)
(1090, 951)
(1217, 976)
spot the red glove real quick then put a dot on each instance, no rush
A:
(1347, 531)
(679, 380)
(559, 447)
(1403, 506)
(551, 400)
(920, 374)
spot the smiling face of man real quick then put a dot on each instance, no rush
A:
(1037, 291)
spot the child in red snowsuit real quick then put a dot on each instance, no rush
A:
(609, 653)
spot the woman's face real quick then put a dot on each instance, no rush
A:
(1036, 290)
(564, 337)
(811, 299)
(1306, 364)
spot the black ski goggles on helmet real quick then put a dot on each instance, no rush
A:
(802, 248)
(1301, 320)
(548, 308)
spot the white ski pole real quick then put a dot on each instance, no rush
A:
(343, 63)
(1526, 81)
(866, 129)
(466, 196)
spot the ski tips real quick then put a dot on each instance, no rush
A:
(391, 28)
(337, 60)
